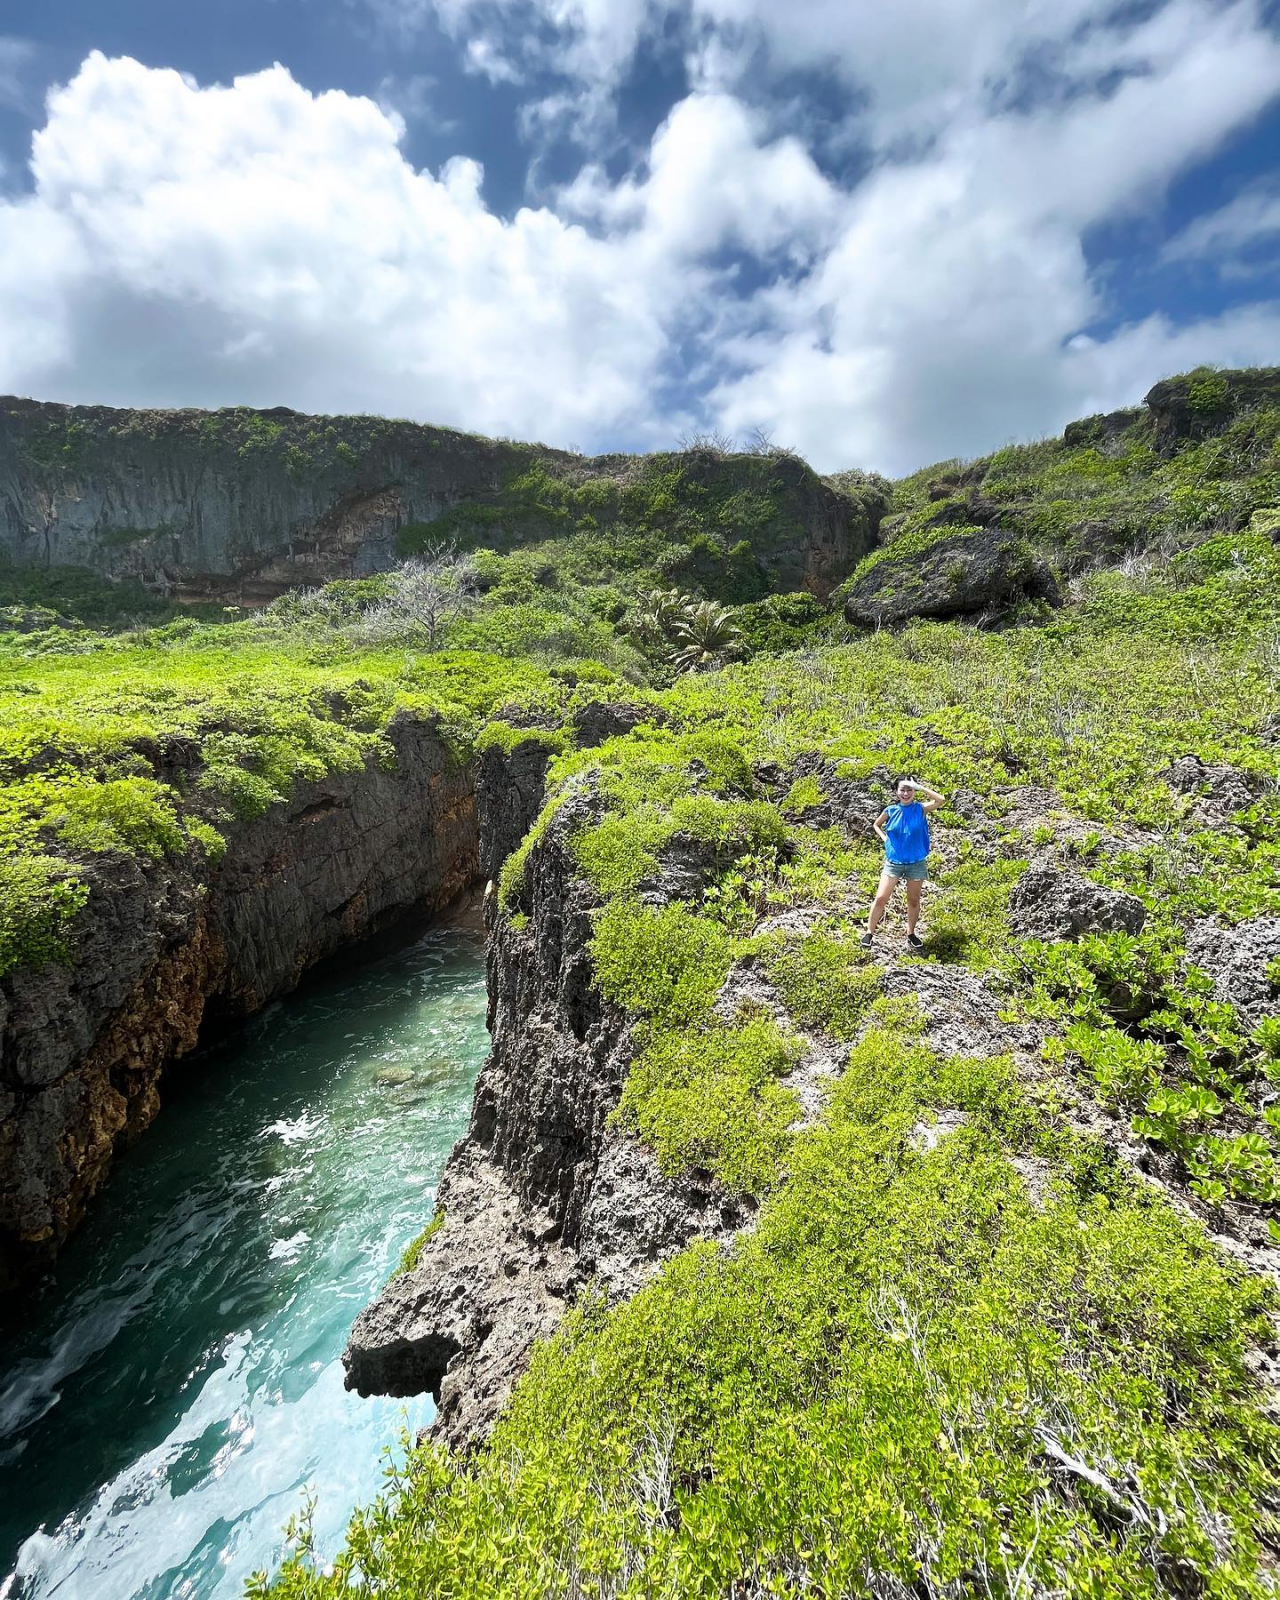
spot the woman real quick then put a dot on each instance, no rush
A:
(903, 829)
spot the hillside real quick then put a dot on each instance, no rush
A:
(770, 1264)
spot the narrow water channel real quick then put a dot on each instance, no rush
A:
(180, 1388)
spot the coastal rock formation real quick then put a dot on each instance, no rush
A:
(160, 957)
(241, 504)
(1197, 405)
(543, 1194)
(1047, 903)
(1243, 962)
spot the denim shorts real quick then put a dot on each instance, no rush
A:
(912, 871)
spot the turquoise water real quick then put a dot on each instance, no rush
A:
(180, 1388)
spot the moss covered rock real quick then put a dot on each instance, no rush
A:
(949, 571)
(1199, 404)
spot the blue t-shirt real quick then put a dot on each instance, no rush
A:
(907, 829)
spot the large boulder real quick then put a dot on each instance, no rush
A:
(595, 721)
(1197, 405)
(1101, 429)
(1049, 903)
(983, 573)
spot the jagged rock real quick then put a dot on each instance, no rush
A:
(1100, 429)
(543, 1193)
(1219, 790)
(851, 804)
(158, 964)
(1198, 405)
(172, 498)
(487, 1284)
(510, 786)
(972, 511)
(983, 573)
(1047, 903)
(599, 720)
(1237, 959)
(961, 1013)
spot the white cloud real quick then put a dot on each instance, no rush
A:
(412, 99)
(483, 56)
(714, 178)
(1225, 237)
(257, 243)
(944, 318)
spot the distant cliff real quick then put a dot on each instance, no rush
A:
(241, 504)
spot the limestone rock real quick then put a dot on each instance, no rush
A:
(543, 1194)
(1100, 429)
(1198, 405)
(1218, 790)
(598, 720)
(1238, 959)
(509, 791)
(1048, 903)
(174, 499)
(167, 953)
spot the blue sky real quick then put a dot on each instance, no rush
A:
(884, 234)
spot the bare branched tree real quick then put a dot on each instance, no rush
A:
(424, 595)
(760, 442)
(712, 442)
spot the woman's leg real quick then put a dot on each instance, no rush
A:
(888, 883)
(914, 887)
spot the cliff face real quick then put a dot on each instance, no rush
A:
(543, 1195)
(83, 1046)
(241, 505)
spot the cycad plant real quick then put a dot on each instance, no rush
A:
(658, 614)
(705, 636)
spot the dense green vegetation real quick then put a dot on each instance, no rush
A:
(912, 1371)
(702, 520)
(156, 742)
(990, 1361)
(964, 1350)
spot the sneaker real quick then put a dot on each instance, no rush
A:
(915, 941)
(866, 941)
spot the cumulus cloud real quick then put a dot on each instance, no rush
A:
(257, 242)
(948, 315)
(713, 178)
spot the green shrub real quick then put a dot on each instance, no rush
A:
(827, 983)
(412, 1252)
(39, 899)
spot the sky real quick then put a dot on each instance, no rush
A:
(883, 233)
